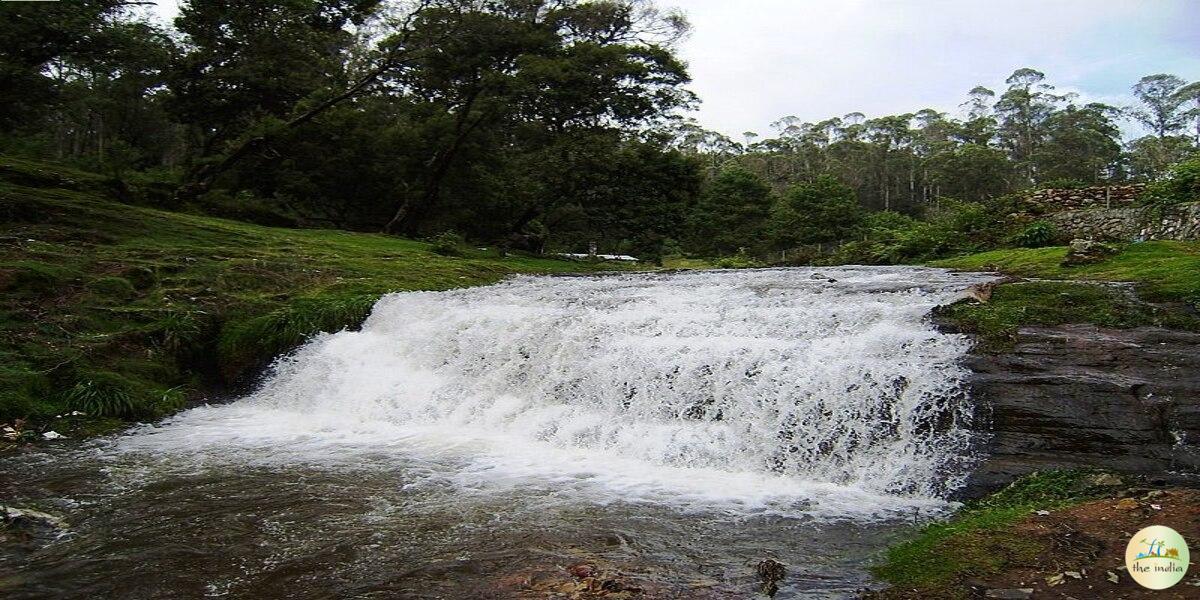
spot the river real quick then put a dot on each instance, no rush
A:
(670, 430)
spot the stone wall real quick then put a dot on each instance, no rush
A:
(1169, 222)
(1055, 200)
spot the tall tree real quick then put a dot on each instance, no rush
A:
(1023, 110)
(1161, 104)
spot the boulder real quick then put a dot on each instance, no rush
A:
(1084, 252)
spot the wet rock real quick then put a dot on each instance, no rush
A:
(27, 519)
(1085, 396)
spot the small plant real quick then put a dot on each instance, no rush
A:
(1038, 234)
(102, 394)
(448, 243)
(177, 330)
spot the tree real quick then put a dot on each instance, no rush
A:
(731, 213)
(1022, 111)
(1082, 144)
(1161, 104)
(566, 65)
(1190, 95)
(824, 210)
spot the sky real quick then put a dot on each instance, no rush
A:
(754, 61)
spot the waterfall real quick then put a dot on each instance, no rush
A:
(740, 385)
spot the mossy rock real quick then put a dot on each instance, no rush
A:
(112, 288)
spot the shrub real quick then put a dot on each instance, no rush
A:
(448, 243)
(1038, 234)
(102, 394)
(1063, 184)
(1182, 184)
(741, 260)
(243, 344)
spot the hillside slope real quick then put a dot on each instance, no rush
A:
(125, 312)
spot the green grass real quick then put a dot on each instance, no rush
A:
(122, 310)
(980, 540)
(1165, 278)
(1163, 270)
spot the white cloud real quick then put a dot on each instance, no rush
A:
(754, 61)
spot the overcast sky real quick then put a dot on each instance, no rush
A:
(754, 61)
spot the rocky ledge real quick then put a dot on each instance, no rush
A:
(1086, 396)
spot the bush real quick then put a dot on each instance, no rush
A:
(1063, 184)
(1182, 184)
(741, 260)
(448, 243)
(1038, 234)
(102, 394)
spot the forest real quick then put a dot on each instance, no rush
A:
(539, 126)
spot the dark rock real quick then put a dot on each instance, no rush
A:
(1086, 396)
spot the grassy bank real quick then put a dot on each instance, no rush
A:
(1163, 290)
(123, 312)
(979, 541)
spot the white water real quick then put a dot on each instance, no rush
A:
(745, 390)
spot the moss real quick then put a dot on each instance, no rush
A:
(172, 296)
(112, 289)
(980, 540)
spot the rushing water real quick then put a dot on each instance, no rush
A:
(677, 428)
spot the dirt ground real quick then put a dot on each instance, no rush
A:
(1090, 540)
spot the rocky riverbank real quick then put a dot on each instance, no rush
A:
(1073, 396)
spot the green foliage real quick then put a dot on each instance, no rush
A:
(1164, 271)
(112, 288)
(824, 210)
(979, 540)
(741, 260)
(1038, 234)
(1181, 184)
(35, 278)
(103, 394)
(1063, 184)
(731, 213)
(448, 243)
(244, 343)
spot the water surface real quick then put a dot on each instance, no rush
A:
(675, 428)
